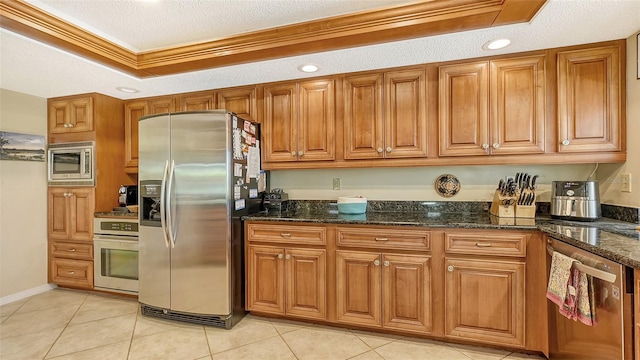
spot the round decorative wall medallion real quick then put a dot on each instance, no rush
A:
(447, 185)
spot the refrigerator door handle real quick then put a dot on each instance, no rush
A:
(168, 210)
(163, 221)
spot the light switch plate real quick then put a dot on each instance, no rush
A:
(625, 182)
(336, 183)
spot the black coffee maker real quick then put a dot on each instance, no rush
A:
(128, 195)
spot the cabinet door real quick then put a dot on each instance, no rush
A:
(305, 272)
(589, 101)
(133, 111)
(405, 130)
(241, 101)
(265, 279)
(73, 273)
(279, 130)
(463, 109)
(58, 213)
(484, 301)
(81, 214)
(316, 123)
(518, 105)
(198, 101)
(406, 281)
(363, 117)
(358, 287)
(71, 115)
(162, 105)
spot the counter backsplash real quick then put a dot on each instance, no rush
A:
(622, 213)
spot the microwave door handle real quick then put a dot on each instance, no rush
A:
(168, 209)
(163, 221)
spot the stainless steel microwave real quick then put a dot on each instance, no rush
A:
(71, 164)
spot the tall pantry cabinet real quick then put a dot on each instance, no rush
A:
(70, 209)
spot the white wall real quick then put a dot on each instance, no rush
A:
(417, 183)
(609, 174)
(23, 200)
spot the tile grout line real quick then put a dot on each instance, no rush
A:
(132, 333)
(65, 326)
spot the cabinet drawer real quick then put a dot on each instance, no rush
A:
(384, 238)
(486, 244)
(294, 234)
(76, 273)
(71, 250)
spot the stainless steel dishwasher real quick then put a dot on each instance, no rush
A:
(569, 339)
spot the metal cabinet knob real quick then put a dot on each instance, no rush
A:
(66, 125)
(293, 153)
(70, 125)
(565, 142)
(380, 150)
(300, 153)
(496, 145)
(279, 256)
(450, 268)
(386, 263)
(288, 256)
(485, 146)
(389, 149)
(376, 262)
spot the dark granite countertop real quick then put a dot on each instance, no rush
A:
(615, 240)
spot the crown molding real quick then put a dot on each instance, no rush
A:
(358, 29)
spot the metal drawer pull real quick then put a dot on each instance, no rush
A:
(376, 262)
(71, 272)
(450, 268)
(72, 250)
(483, 244)
(600, 274)
(382, 239)
(287, 235)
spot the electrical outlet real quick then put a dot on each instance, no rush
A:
(625, 182)
(336, 183)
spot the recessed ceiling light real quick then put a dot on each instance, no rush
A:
(127, 89)
(496, 44)
(308, 68)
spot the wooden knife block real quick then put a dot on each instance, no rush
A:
(512, 211)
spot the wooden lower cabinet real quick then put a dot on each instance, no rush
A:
(287, 281)
(71, 272)
(484, 301)
(388, 290)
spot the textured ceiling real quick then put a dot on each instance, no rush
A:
(33, 68)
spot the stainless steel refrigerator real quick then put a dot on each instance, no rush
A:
(199, 173)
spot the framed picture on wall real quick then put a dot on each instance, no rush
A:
(25, 147)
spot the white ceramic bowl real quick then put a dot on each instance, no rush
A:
(351, 199)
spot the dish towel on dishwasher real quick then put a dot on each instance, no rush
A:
(569, 289)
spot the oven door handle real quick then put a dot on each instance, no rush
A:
(163, 211)
(597, 273)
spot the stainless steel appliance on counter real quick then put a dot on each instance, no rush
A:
(199, 172)
(610, 337)
(115, 247)
(575, 200)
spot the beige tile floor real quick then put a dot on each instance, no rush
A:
(66, 324)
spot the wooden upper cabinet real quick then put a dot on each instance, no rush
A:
(70, 213)
(316, 120)
(363, 116)
(299, 121)
(279, 128)
(590, 107)
(241, 100)
(518, 105)
(203, 100)
(133, 111)
(71, 115)
(385, 115)
(493, 107)
(405, 133)
(463, 109)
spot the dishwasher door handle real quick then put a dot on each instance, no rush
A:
(597, 273)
